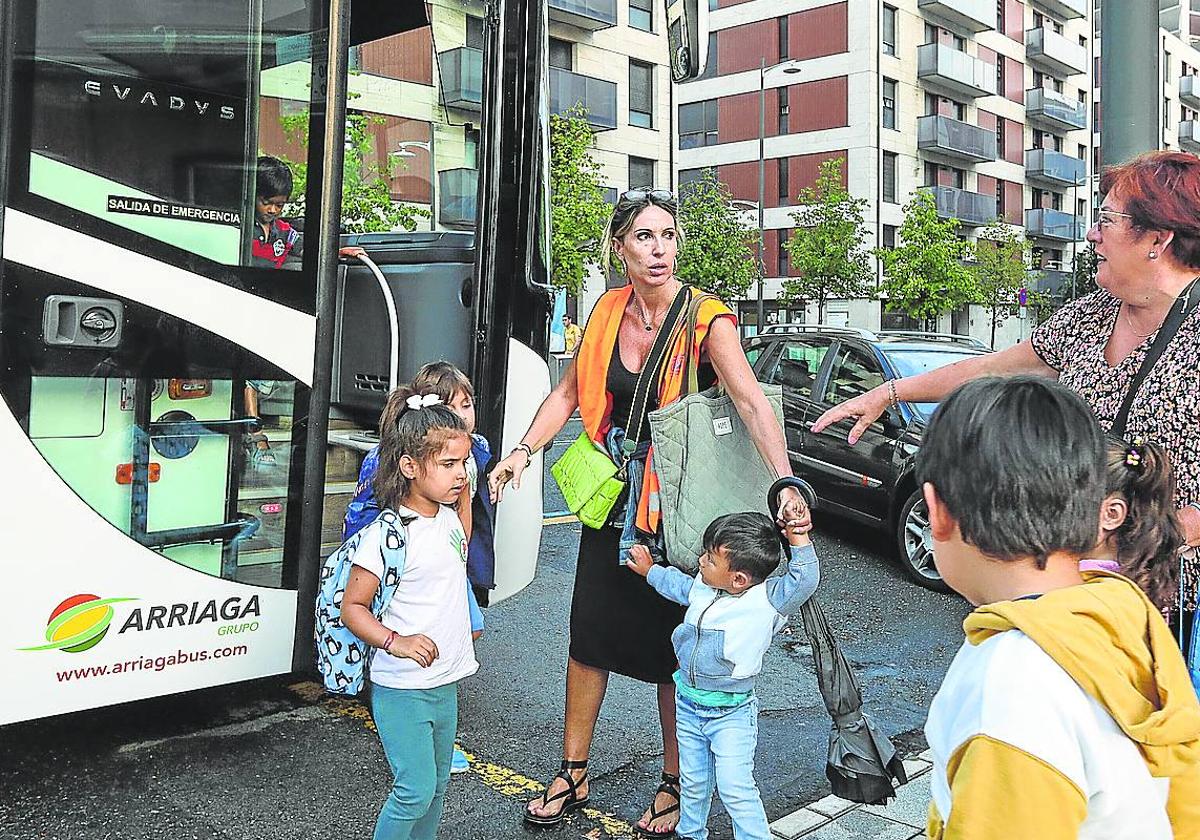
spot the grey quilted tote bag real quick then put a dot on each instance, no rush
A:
(707, 464)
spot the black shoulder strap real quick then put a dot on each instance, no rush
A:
(1175, 318)
(649, 375)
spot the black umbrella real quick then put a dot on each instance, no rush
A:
(862, 762)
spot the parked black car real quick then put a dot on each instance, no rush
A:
(873, 481)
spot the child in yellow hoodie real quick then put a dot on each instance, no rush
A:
(1068, 711)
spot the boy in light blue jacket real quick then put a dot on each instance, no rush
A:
(734, 609)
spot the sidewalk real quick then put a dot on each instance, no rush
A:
(833, 818)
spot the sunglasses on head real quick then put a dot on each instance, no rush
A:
(644, 193)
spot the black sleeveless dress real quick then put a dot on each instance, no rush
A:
(618, 622)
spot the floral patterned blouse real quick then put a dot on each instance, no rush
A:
(1166, 409)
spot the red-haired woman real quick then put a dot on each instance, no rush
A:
(1147, 238)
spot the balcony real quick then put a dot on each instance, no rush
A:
(971, 209)
(1064, 9)
(955, 71)
(586, 14)
(1055, 110)
(1053, 224)
(1189, 91)
(1054, 52)
(971, 15)
(597, 96)
(1189, 135)
(1054, 168)
(956, 139)
(457, 190)
(1053, 282)
(462, 78)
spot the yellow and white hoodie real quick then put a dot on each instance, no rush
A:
(1066, 716)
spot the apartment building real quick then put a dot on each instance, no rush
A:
(422, 91)
(984, 102)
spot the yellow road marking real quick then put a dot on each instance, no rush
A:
(560, 520)
(497, 777)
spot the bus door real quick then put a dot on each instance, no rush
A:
(156, 347)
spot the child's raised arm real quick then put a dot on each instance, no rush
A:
(788, 591)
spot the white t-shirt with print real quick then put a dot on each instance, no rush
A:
(431, 599)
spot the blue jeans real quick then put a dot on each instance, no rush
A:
(716, 746)
(417, 728)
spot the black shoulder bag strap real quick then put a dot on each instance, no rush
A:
(650, 375)
(1183, 307)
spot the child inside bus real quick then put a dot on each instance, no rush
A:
(274, 243)
(475, 509)
(423, 643)
(1139, 536)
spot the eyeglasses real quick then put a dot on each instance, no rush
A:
(644, 193)
(1108, 218)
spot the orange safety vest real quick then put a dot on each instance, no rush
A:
(591, 369)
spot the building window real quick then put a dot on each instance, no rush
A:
(999, 199)
(784, 109)
(785, 192)
(783, 37)
(1166, 112)
(889, 103)
(641, 94)
(1000, 16)
(783, 253)
(960, 43)
(641, 173)
(889, 236)
(889, 177)
(641, 15)
(889, 30)
(1000, 137)
(561, 54)
(474, 32)
(687, 177)
(698, 124)
(1166, 68)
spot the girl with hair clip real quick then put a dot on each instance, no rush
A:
(423, 642)
(1139, 535)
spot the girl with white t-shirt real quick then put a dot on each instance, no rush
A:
(424, 642)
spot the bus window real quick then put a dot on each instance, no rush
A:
(145, 115)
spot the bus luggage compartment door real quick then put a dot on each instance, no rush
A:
(430, 276)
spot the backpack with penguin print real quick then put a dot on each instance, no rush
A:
(342, 656)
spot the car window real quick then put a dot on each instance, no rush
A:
(913, 362)
(853, 373)
(798, 364)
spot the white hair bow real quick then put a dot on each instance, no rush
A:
(420, 401)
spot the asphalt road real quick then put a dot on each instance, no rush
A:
(273, 759)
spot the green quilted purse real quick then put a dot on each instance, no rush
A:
(585, 473)
(588, 480)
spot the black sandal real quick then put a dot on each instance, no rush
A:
(669, 786)
(570, 796)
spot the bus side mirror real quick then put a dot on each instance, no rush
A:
(687, 37)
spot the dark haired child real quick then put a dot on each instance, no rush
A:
(475, 509)
(1068, 711)
(734, 609)
(1139, 536)
(274, 242)
(424, 642)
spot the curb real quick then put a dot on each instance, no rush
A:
(834, 818)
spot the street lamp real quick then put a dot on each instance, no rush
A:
(404, 150)
(790, 67)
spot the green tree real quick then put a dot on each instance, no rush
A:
(578, 211)
(367, 204)
(826, 248)
(1001, 270)
(717, 254)
(1084, 270)
(924, 275)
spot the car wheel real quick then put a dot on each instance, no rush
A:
(914, 543)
